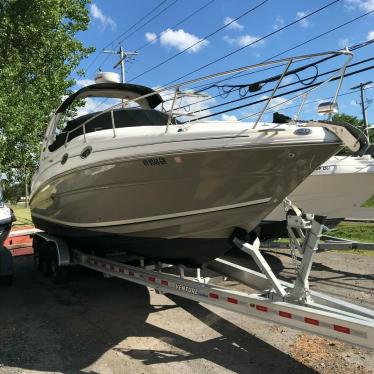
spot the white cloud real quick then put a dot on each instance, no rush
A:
(343, 42)
(96, 105)
(244, 40)
(181, 40)
(304, 22)
(353, 103)
(279, 23)
(187, 105)
(287, 79)
(84, 82)
(365, 5)
(97, 14)
(227, 117)
(278, 102)
(151, 37)
(370, 35)
(235, 25)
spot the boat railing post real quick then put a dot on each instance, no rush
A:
(340, 82)
(176, 93)
(113, 123)
(84, 133)
(66, 138)
(273, 93)
(296, 116)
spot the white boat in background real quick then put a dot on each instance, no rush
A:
(6, 219)
(335, 189)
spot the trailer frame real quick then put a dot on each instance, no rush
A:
(290, 304)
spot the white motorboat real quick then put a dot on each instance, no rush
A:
(137, 179)
(6, 219)
(334, 189)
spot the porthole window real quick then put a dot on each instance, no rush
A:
(64, 158)
(86, 152)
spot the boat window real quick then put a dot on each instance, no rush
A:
(124, 117)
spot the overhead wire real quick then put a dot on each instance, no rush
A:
(276, 96)
(283, 86)
(177, 24)
(150, 20)
(312, 39)
(124, 33)
(326, 98)
(254, 42)
(351, 48)
(206, 37)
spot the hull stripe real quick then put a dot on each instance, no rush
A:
(155, 218)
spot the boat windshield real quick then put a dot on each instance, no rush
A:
(123, 117)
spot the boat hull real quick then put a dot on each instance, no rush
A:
(170, 206)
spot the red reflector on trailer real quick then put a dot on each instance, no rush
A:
(214, 296)
(261, 308)
(164, 282)
(311, 321)
(285, 314)
(232, 300)
(345, 330)
(131, 273)
(152, 279)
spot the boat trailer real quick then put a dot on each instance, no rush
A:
(290, 304)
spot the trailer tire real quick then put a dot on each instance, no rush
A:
(45, 261)
(37, 258)
(59, 274)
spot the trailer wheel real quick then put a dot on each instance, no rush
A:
(59, 274)
(44, 258)
(37, 258)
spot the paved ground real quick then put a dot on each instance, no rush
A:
(98, 325)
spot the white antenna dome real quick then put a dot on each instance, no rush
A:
(107, 77)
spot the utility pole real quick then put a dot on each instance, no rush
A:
(362, 86)
(123, 55)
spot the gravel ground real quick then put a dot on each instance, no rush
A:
(99, 325)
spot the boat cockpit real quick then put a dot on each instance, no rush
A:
(63, 128)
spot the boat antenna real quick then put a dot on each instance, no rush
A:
(123, 55)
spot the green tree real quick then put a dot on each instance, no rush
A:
(357, 122)
(38, 51)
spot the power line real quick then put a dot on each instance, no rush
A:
(123, 33)
(177, 24)
(357, 46)
(256, 41)
(202, 39)
(326, 98)
(267, 91)
(150, 20)
(279, 95)
(351, 48)
(141, 26)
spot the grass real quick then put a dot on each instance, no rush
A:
(356, 231)
(363, 232)
(23, 216)
(369, 203)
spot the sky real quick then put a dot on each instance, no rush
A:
(162, 34)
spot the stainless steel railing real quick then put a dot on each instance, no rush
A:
(176, 90)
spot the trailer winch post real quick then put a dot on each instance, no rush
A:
(301, 289)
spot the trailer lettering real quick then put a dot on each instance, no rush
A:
(187, 289)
